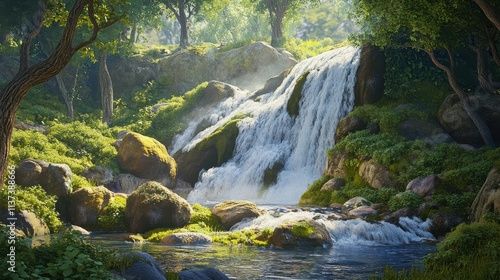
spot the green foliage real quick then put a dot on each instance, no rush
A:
(36, 200)
(302, 229)
(314, 195)
(249, 237)
(302, 49)
(458, 203)
(112, 217)
(66, 256)
(404, 199)
(169, 120)
(203, 216)
(39, 106)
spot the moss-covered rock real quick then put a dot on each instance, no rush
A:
(87, 204)
(233, 211)
(212, 151)
(154, 206)
(147, 158)
(292, 106)
(369, 87)
(299, 234)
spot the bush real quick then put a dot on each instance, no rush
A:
(36, 200)
(404, 199)
(112, 217)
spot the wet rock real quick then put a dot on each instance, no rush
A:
(155, 206)
(393, 218)
(363, 211)
(187, 238)
(423, 187)
(234, 211)
(335, 165)
(488, 199)
(303, 233)
(143, 267)
(202, 274)
(355, 202)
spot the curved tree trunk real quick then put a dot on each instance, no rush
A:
(480, 124)
(106, 88)
(490, 12)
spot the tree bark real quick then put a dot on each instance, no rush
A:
(29, 76)
(480, 124)
(67, 96)
(277, 10)
(490, 12)
(133, 33)
(184, 39)
(483, 73)
(106, 88)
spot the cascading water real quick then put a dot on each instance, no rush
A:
(269, 135)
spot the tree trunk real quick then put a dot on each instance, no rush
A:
(106, 88)
(133, 33)
(277, 27)
(182, 18)
(277, 10)
(480, 124)
(489, 11)
(483, 74)
(68, 97)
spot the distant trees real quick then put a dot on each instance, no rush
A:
(433, 26)
(85, 17)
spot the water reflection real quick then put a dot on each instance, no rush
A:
(242, 262)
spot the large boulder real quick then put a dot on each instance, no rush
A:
(377, 175)
(428, 130)
(369, 86)
(443, 222)
(146, 158)
(98, 175)
(231, 212)
(26, 222)
(300, 234)
(130, 74)
(86, 205)
(55, 179)
(488, 199)
(187, 238)
(333, 184)
(142, 267)
(348, 125)
(154, 206)
(354, 203)
(423, 187)
(460, 126)
(335, 165)
(126, 183)
(209, 273)
(244, 67)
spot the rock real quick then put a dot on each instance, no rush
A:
(212, 151)
(431, 132)
(55, 179)
(459, 125)
(443, 223)
(300, 234)
(98, 175)
(234, 211)
(143, 267)
(187, 238)
(333, 184)
(146, 158)
(348, 125)
(86, 205)
(336, 206)
(488, 198)
(154, 206)
(423, 187)
(393, 218)
(127, 183)
(363, 211)
(130, 74)
(75, 228)
(272, 84)
(355, 202)
(369, 86)
(202, 274)
(217, 91)
(377, 175)
(26, 222)
(22, 126)
(335, 165)
(243, 67)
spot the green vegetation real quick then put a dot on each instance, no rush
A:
(404, 199)
(302, 229)
(112, 217)
(37, 201)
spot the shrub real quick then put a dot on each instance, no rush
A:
(36, 200)
(112, 217)
(404, 199)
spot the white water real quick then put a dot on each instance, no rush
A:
(270, 135)
(350, 232)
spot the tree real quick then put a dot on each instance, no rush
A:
(428, 25)
(184, 10)
(278, 10)
(490, 12)
(98, 16)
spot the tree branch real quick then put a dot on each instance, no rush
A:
(24, 58)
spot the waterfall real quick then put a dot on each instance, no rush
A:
(270, 136)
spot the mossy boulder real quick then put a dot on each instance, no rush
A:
(55, 179)
(187, 238)
(154, 206)
(302, 233)
(369, 86)
(234, 211)
(377, 175)
(292, 106)
(487, 201)
(212, 151)
(146, 158)
(87, 204)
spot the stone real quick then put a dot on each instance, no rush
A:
(98, 175)
(355, 202)
(187, 238)
(415, 128)
(154, 206)
(272, 84)
(145, 267)
(304, 233)
(130, 74)
(488, 198)
(423, 187)
(128, 183)
(333, 184)
(363, 211)
(443, 222)
(26, 222)
(209, 273)
(234, 211)
(86, 205)
(348, 125)
(147, 158)
(459, 125)
(377, 175)
(393, 218)
(335, 165)
(75, 228)
(369, 86)
(55, 179)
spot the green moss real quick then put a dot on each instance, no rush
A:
(292, 105)
(302, 229)
(112, 217)
(203, 216)
(404, 199)
(314, 195)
